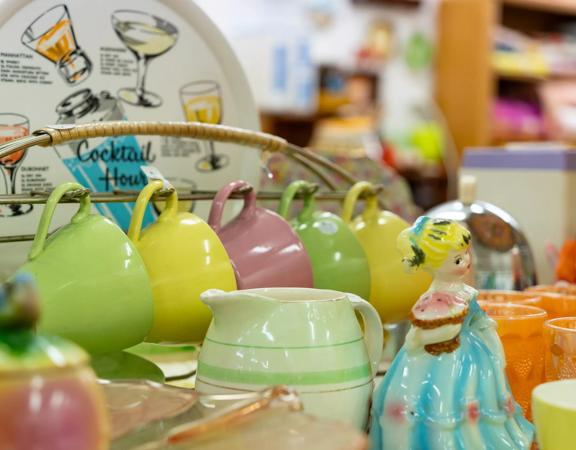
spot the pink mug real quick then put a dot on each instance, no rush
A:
(264, 249)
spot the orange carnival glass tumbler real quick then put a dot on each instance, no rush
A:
(517, 297)
(558, 301)
(560, 346)
(520, 328)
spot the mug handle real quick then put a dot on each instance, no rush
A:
(352, 197)
(289, 194)
(373, 331)
(48, 213)
(142, 201)
(215, 217)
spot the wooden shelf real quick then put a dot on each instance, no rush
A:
(552, 6)
(501, 142)
(528, 78)
(524, 78)
(409, 3)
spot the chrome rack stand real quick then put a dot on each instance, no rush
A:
(58, 134)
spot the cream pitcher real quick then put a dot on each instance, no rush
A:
(309, 339)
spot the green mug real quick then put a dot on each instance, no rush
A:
(93, 285)
(338, 260)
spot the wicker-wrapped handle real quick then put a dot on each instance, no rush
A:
(58, 134)
(221, 133)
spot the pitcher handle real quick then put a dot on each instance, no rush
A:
(48, 213)
(142, 201)
(290, 192)
(373, 331)
(215, 217)
(352, 197)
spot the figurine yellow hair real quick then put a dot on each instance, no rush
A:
(428, 242)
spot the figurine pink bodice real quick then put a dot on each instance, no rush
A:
(436, 305)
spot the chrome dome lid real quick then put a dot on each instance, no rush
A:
(501, 254)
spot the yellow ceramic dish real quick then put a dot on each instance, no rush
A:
(393, 291)
(554, 412)
(183, 257)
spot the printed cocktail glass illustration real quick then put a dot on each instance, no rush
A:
(52, 35)
(148, 37)
(13, 126)
(202, 102)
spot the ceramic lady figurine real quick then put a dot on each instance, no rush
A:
(446, 388)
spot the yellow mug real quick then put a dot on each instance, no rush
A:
(393, 291)
(554, 413)
(183, 257)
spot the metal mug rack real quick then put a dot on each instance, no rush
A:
(58, 134)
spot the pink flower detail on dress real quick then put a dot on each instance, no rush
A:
(510, 407)
(395, 410)
(473, 412)
(437, 304)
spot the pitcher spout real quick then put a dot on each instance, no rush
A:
(212, 297)
(236, 304)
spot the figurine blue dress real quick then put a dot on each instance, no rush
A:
(446, 389)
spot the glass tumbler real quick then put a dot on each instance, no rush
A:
(557, 301)
(518, 297)
(560, 345)
(520, 328)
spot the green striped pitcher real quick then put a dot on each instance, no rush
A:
(309, 339)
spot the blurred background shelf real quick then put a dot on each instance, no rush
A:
(520, 77)
(409, 88)
(533, 78)
(507, 70)
(407, 3)
(553, 6)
